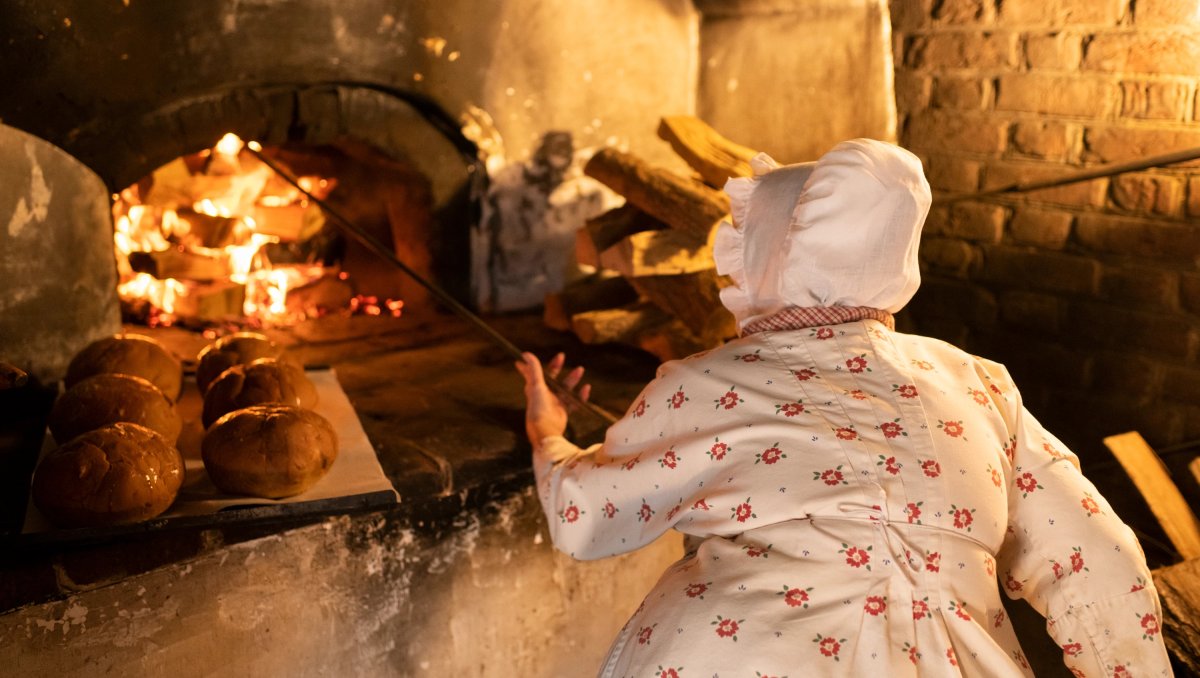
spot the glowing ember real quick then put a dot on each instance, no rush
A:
(196, 242)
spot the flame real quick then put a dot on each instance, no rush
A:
(230, 144)
(168, 243)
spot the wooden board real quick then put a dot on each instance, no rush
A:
(1150, 476)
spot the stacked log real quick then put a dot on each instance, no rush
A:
(656, 285)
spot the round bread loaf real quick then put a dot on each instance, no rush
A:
(263, 381)
(120, 473)
(234, 349)
(104, 399)
(129, 354)
(270, 451)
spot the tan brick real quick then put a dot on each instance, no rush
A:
(1119, 144)
(1031, 310)
(1034, 359)
(966, 133)
(948, 256)
(910, 14)
(1062, 12)
(1117, 373)
(955, 299)
(1047, 229)
(1164, 12)
(1103, 325)
(1088, 193)
(961, 50)
(952, 173)
(1147, 193)
(1159, 240)
(1189, 293)
(1193, 196)
(912, 90)
(1043, 139)
(1155, 100)
(961, 11)
(1151, 52)
(1057, 95)
(1060, 51)
(1182, 384)
(937, 221)
(1049, 271)
(978, 222)
(1140, 287)
(960, 93)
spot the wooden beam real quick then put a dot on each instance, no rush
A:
(679, 202)
(713, 156)
(1150, 476)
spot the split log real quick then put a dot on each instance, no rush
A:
(212, 302)
(608, 229)
(598, 291)
(694, 298)
(679, 202)
(1179, 588)
(207, 230)
(713, 156)
(642, 325)
(658, 253)
(180, 265)
(1167, 504)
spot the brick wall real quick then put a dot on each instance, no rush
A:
(1090, 293)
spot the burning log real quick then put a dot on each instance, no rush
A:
(180, 264)
(677, 201)
(213, 302)
(208, 230)
(713, 156)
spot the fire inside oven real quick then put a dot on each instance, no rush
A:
(219, 238)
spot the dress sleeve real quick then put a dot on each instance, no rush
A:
(623, 494)
(1069, 555)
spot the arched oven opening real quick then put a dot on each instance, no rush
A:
(214, 239)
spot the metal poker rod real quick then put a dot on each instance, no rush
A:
(386, 253)
(1076, 177)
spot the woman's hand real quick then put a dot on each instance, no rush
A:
(545, 413)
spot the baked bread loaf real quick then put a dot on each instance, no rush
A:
(120, 473)
(270, 451)
(263, 381)
(129, 354)
(234, 349)
(104, 399)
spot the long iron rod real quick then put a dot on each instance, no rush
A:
(386, 253)
(1076, 177)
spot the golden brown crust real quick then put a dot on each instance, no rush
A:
(240, 348)
(104, 399)
(121, 473)
(261, 382)
(129, 354)
(270, 451)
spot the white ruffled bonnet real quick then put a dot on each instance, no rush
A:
(841, 231)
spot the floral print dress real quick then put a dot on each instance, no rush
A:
(859, 497)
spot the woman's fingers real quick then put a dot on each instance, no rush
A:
(573, 377)
(555, 365)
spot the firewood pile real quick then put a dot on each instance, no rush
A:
(655, 284)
